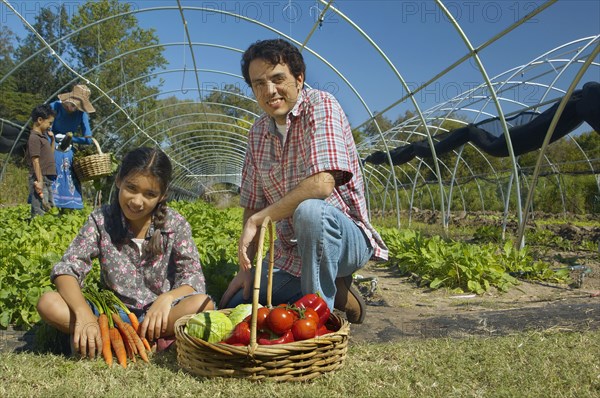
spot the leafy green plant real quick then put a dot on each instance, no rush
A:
(462, 266)
(545, 237)
(488, 233)
(216, 233)
(28, 250)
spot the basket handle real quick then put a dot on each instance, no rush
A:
(267, 224)
(97, 146)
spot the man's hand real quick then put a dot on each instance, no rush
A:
(243, 280)
(246, 241)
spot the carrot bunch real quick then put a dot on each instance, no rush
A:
(118, 336)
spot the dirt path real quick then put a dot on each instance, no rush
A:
(398, 309)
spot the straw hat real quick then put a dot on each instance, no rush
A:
(80, 96)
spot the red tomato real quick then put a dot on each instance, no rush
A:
(280, 320)
(291, 309)
(304, 329)
(316, 302)
(240, 334)
(309, 313)
(261, 318)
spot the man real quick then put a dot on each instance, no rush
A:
(302, 170)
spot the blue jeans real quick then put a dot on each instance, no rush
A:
(122, 314)
(37, 206)
(330, 245)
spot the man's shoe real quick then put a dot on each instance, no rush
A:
(349, 300)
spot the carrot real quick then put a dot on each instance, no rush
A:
(139, 344)
(106, 351)
(128, 346)
(132, 337)
(104, 327)
(146, 344)
(114, 335)
(135, 324)
(134, 321)
(117, 344)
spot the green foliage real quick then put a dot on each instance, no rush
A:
(28, 250)
(216, 234)
(461, 266)
(544, 237)
(14, 187)
(43, 74)
(488, 233)
(15, 105)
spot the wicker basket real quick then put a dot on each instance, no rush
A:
(297, 361)
(93, 166)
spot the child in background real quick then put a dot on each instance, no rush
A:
(147, 258)
(40, 155)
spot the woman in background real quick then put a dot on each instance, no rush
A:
(71, 125)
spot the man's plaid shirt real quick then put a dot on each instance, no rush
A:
(319, 138)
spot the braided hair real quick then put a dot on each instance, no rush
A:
(147, 161)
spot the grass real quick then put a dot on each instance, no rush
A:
(14, 186)
(528, 364)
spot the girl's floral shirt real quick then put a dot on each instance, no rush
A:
(137, 279)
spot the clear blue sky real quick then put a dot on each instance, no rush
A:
(415, 35)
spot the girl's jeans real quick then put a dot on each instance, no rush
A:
(330, 245)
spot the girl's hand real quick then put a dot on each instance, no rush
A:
(156, 319)
(86, 335)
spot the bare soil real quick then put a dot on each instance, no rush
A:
(397, 308)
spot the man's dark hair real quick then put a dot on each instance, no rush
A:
(44, 111)
(275, 52)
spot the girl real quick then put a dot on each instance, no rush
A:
(146, 253)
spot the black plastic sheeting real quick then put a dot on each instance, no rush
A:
(526, 134)
(8, 137)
